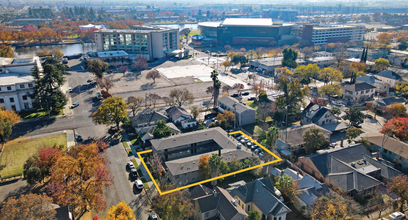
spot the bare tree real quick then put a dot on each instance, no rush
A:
(226, 88)
(153, 98)
(105, 83)
(156, 164)
(238, 86)
(140, 63)
(181, 97)
(123, 69)
(340, 54)
(153, 74)
(134, 103)
(253, 76)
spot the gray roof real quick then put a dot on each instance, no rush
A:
(148, 116)
(362, 86)
(260, 193)
(176, 112)
(190, 164)
(219, 199)
(146, 133)
(386, 171)
(15, 78)
(335, 126)
(389, 74)
(370, 79)
(217, 134)
(229, 102)
(247, 22)
(199, 191)
(295, 135)
(316, 112)
(390, 100)
(391, 144)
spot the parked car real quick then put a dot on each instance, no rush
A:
(234, 95)
(258, 150)
(75, 104)
(78, 137)
(336, 103)
(70, 89)
(357, 126)
(245, 93)
(338, 117)
(113, 128)
(99, 95)
(153, 216)
(251, 98)
(396, 215)
(368, 116)
(139, 184)
(134, 173)
(130, 165)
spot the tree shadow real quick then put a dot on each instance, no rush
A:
(148, 86)
(81, 88)
(18, 192)
(24, 127)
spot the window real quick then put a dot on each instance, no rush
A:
(11, 99)
(1, 100)
(8, 87)
(30, 85)
(385, 151)
(21, 86)
(24, 97)
(26, 106)
(390, 153)
(207, 214)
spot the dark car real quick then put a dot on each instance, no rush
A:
(134, 173)
(252, 98)
(368, 116)
(79, 137)
(234, 95)
(357, 126)
(153, 216)
(245, 93)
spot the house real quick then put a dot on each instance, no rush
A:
(387, 101)
(390, 77)
(146, 133)
(147, 117)
(314, 113)
(292, 137)
(390, 148)
(177, 114)
(381, 87)
(261, 195)
(308, 187)
(182, 152)
(350, 169)
(244, 114)
(189, 123)
(210, 204)
(359, 91)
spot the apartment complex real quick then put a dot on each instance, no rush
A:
(147, 41)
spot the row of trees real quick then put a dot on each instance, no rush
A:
(43, 35)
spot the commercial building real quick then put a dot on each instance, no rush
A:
(249, 31)
(181, 152)
(16, 82)
(91, 27)
(319, 35)
(147, 41)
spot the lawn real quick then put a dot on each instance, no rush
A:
(252, 105)
(192, 33)
(37, 114)
(127, 148)
(146, 186)
(135, 141)
(250, 128)
(137, 167)
(16, 152)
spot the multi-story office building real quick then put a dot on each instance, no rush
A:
(147, 41)
(16, 82)
(319, 35)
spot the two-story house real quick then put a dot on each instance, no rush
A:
(359, 91)
(390, 77)
(244, 114)
(381, 87)
(181, 117)
(314, 113)
(147, 117)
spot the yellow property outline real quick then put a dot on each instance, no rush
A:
(215, 178)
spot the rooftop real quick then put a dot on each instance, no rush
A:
(359, 86)
(112, 53)
(295, 135)
(247, 22)
(391, 144)
(389, 74)
(210, 24)
(229, 101)
(14, 78)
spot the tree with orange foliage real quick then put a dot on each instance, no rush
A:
(204, 167)
(399, 186)
(7, 120)
(384, 38)
(334, 206)
(79, 178)
(48, 156)
(120, 212)
(397, 127)
(30, 206)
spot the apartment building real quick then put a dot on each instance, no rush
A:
(337, 33)
(147, 41)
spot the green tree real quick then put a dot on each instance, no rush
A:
(235, 165)
(216, 86)
(263, 97)
(215, 163)
(307, 72)
(97, 67)
(253, 215)
(289, 57)
(330, 75)
(162, 130)
(7, 120)
(314, 140)
(112, 111)
(335, 110)
(47, 93)
(381, 64)
(287, 187)
(240, 59)
(329, 90)
(354, 115)
(34, 175)
(195, 111)
(402, 88)
(271, 137)
(353, 133)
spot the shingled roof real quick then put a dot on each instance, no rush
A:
(229, 101)
(389, 74)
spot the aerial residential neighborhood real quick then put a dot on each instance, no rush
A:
(208, 110)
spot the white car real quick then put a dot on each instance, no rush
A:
(336, 103)
(70, 89)
(396, 216)
(131, 165)
(139, 184)
(75, 104)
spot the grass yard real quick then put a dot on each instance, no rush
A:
(37, 114)
(146, 186)
(137, 167)
(252, 105)
(127, 148)
(16, 152)
(135, 141)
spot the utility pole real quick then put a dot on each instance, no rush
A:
(286, 124)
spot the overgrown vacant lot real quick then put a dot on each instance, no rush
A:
(16, 152)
